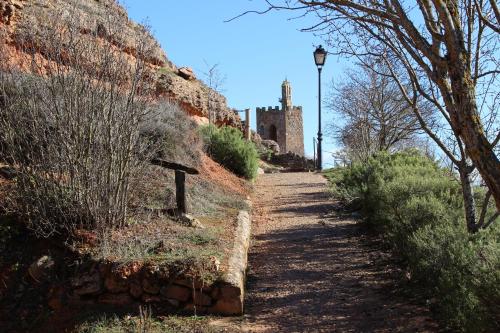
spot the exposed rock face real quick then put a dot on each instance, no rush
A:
(9, 9)
(94, 17)
(273, 145)
(186, 73)
(40, 269)
(196, 98)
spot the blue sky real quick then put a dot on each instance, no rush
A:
(255, 53)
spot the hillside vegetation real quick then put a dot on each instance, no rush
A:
(81, 119)
(106, 21)
(417, 208)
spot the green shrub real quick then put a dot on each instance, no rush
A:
(227, 147)
(418, 208)
(460, 270)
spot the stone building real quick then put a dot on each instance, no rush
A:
(283, 125)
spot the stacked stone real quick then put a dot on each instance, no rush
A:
(292, 162)
(134, 283)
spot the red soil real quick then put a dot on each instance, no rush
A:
(216, 173)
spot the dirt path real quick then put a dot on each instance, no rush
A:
(312, 271)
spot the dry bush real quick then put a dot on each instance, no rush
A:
(172, 134)
(72, 126)
(168, 133)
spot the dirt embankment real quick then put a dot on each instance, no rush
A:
(93, 16)
(75, 290)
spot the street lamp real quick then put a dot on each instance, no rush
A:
(319, 59)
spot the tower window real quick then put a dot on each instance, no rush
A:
(273, 133)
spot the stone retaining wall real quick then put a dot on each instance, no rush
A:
(136, 283)
(292, 162)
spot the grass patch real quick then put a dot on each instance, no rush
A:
(161, 241)
(147, 324)
(166, 70)
(200, 237)
(160, 237)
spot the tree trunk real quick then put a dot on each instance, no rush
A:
(467, 122)
(469, 203)
(480, 150)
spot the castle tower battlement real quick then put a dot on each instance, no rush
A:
(277, 108)
(283, 125)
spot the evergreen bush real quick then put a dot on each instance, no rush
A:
(227, 146)
(418, 209)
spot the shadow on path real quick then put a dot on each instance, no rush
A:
(314, 272)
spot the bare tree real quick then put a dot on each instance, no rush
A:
(214, 81)
(70, 123)
(449, 51)
(376, 116)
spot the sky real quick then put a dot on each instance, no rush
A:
(254, 54)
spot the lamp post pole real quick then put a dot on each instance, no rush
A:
(319, 60)
(320, 135)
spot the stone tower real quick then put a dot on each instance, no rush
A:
(283, 125)
(286, 96)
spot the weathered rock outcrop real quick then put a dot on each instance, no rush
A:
(272, 145)
(196, 98)
(9, 9)
(94, 16)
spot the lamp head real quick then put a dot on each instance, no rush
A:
(320, 56)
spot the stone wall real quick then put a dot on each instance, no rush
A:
(167, 286)
(294, 129)
(292, 162)
(271, 117)
(287, 121)
(135, 283)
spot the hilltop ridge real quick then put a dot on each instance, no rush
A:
(179, 84)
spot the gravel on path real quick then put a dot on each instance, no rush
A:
(312, 270)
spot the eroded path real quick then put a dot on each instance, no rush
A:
(312, 271)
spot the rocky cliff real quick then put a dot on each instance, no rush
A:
(180, 84)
